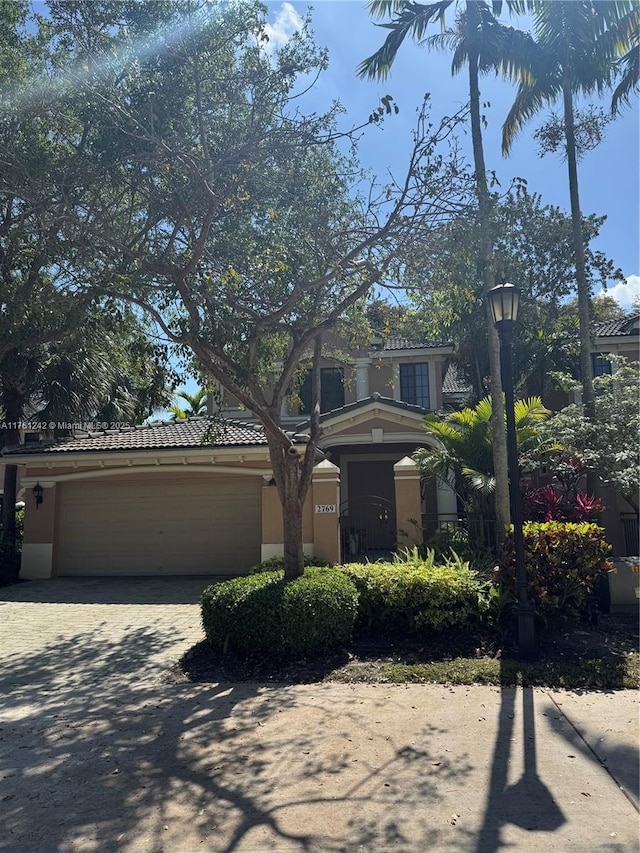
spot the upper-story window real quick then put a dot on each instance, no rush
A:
(414, 384)
(331, 390)
(601, 365)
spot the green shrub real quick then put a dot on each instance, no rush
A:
(318, 611)
(243, 614)
(276, 564)
(415, 598)
(264, 615)
(564, 561)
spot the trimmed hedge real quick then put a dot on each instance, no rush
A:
(264, 615)
(564, 561)
(275, 564)
(406, 599)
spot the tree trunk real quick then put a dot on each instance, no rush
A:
(582, 283)
(584, 295)
(292, 517)
(498, 434)
(293, 473)
(9, 562)
(285, 463)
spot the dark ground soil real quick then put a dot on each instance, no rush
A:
(614, 639)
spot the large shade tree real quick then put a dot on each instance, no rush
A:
(211, 201)
(533, 245)
(66, 356)
(579, 48)
(479, 42)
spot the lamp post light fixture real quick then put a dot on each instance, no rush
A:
(38, 493)
(505, 300)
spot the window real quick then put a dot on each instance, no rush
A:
(414, 384)
(331, 390)
(601, 365)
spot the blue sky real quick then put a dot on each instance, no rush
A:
(609, 175)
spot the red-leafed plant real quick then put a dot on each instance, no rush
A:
(549, 504)
(561, 501)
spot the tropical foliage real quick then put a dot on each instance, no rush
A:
(533, 246)
(577, 49)
(462, 455)
(609, 443)
(196, 404)
(564, 562)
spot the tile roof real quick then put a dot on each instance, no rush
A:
(454, 383)
(162, 436)
(616, 328)
(403, 343)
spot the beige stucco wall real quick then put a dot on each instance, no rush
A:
(385, 424)
(39, 522)
(408, 503)
(381, 378)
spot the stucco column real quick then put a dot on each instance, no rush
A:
(325, 490)
(362, 378)
(39, 526)
(447, 502)
(408, 503)
(396, 380)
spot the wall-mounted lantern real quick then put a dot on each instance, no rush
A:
(38, 493)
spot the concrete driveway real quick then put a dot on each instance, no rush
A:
(99, 754)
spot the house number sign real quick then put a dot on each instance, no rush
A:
(325, 507)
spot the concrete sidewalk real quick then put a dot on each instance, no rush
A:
(98, 754)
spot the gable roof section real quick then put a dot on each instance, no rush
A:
(625, 327)
(375, 420)
(171, 435)
(376, 401)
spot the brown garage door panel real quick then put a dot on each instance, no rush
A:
(153, 525)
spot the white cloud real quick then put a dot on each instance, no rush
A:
(287, 22)
(625, 291)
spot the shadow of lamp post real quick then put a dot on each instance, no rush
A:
(505, 299)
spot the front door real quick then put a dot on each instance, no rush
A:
(368, 516)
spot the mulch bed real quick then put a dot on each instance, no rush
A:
(614, 637)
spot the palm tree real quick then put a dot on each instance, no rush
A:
(464, 449)
(104, 370)
(484, 45)
(579, 48)
(197, 404)
(52, 383)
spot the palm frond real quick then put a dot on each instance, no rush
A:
(484, 410)
(384, 8)
(410, 19)
(530, 99)
(485, 484)
(512, 53)
(446, 40)
(529, 411)
(629, 66)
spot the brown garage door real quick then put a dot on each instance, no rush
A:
(156, 525)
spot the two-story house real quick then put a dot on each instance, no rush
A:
(161, 499)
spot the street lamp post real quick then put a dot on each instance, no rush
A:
(505, 300)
